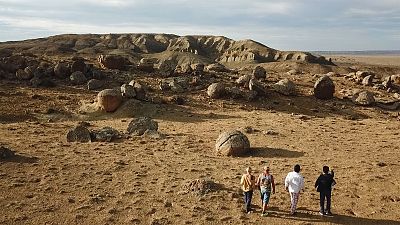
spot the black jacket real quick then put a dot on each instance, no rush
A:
(324, 182)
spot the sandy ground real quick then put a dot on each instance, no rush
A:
(136, 180)
(388, 60)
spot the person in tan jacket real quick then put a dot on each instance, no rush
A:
(248, 184)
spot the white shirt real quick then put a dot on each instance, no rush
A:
(294, 181)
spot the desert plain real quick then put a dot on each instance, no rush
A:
(144, 179)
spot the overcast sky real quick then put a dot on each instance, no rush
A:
(284, 24)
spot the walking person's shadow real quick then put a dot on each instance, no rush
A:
(307, 215)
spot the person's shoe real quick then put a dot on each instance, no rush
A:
(321, 213)
(292, 213)
(264, 214)
(328, 214)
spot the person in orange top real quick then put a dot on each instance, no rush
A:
(248, 184)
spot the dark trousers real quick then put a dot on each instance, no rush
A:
(322, 196)
(247, 200)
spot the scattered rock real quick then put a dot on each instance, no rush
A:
(140, 125)
(179, 100)
(216, 90)
(139, 90)
(94, 84)
(109, 100)
(78, 65)
(154, 134)
(248, 130)
(244, 80)
(128, 91)
(232, 143)
(395, 79)
(255, 85)
(78, 78)
(367, 81)
(106, 134)
(41, 82)
(250, 95)
(216, 67)
(235, 92)
(198, 68)
(259, 72)
(79, 134)
(364, 98)
(285, 87)
(112, 62)
(270, 132)
(147, 64)
(292, 72)
(23, 75)
(61, 70)
(381, 164)
(6, 153)
(183, 68)
(200, 186)
(324, 88)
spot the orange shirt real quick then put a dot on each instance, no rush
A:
(248, 182)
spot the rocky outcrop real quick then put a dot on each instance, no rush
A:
(208, 49)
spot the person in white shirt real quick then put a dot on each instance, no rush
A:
(294, 183)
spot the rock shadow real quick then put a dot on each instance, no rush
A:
(20, 159)
(273, 153)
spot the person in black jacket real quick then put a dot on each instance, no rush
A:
(324, 187)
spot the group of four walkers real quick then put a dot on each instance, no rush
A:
(294, 183)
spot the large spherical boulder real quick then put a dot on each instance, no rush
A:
(232, 143)
(23, 75)
(109, 100)
(94, 84)
(78, 78)
(324, 88)
(216, 90)
(61, 70)
(259, 72)
(78, 65)
(140, 125)
(285, 87)
(112, 62)
(364, 98)
(79, 134)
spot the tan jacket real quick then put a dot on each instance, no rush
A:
(248, 182)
